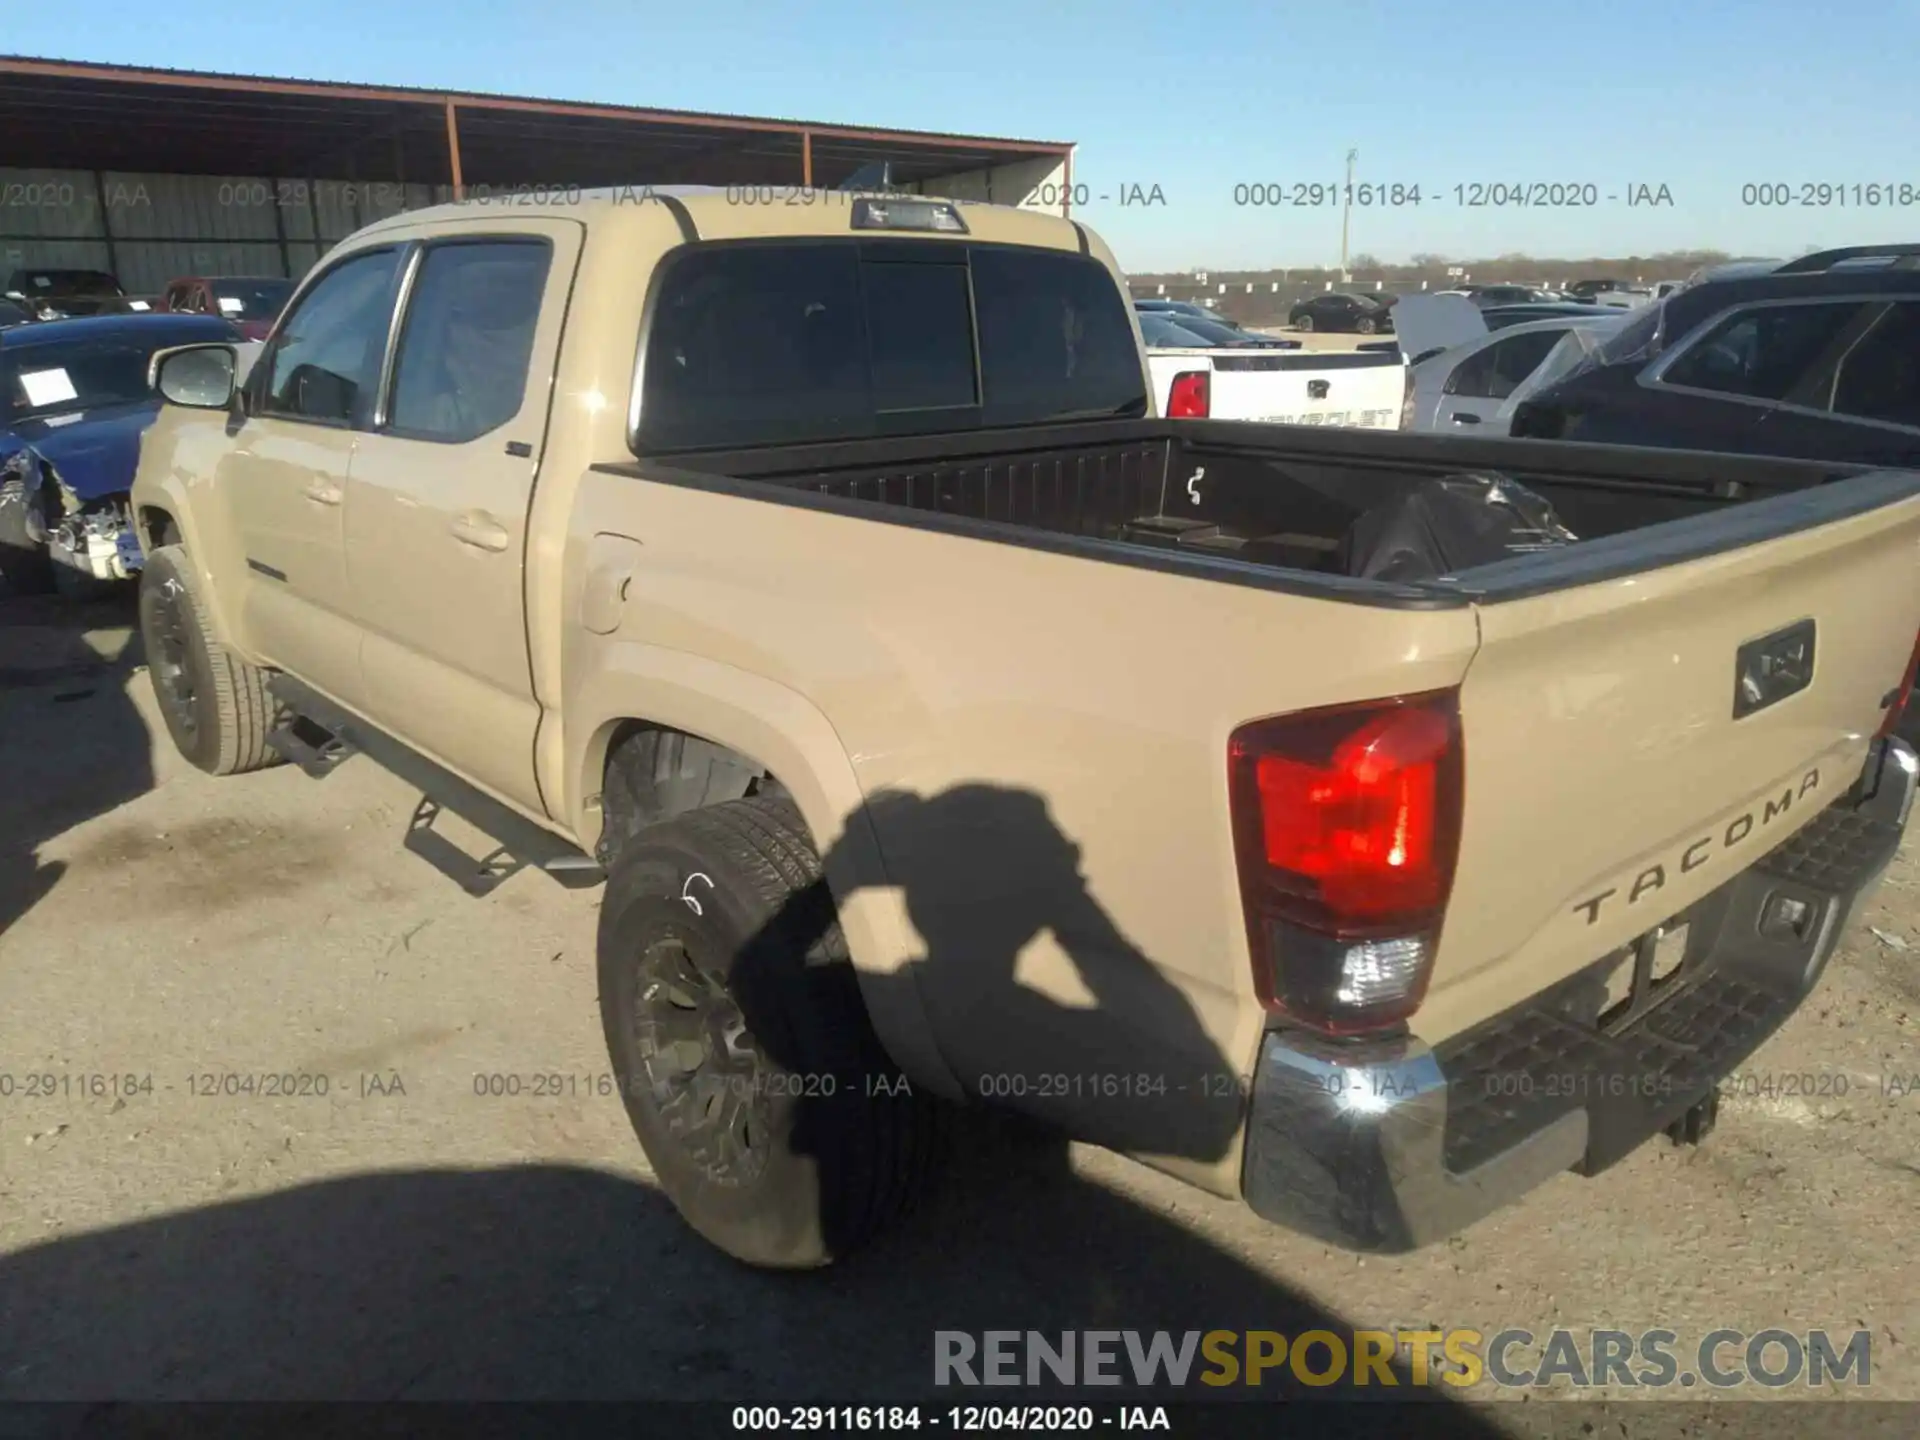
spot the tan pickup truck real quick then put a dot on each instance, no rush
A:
(946, 726)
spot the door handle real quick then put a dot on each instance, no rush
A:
(1461, 417)
(323, 492)
(480, 530)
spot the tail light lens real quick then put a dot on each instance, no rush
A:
(1406, 398)
(1346, 829)
(1191, 397)
(1897, 710)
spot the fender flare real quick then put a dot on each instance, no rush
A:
(170, 496)
(784, 731)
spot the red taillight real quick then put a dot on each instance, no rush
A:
(1191, 397)
(1406, 398)
(1347, 825)
(1895, 711)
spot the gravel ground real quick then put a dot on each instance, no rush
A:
(402, 1236)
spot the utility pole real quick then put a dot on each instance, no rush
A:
(1346, 214)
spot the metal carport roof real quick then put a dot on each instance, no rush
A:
(59, 114)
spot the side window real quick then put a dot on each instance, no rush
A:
(1472, 378)
(326, 359)
(1880, 378)
(1514, 360)
(467, 338)
(1763, 353)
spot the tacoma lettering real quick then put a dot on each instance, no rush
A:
(1654, 877)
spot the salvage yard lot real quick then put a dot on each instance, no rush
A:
(185, 964)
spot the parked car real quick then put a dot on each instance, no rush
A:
(52, 294)
(1500, 316)
(1097, 748)
(1214, 332)
(1342, 311)
(77, 398)
(1163, 332)
(1212, 375)
(1204, 323)
(1467, 369)
(1490, 295)
(1733, 270)
(1817, 358)
(1178, 309)
(13, 312)
(1597, 285)
(252, 303)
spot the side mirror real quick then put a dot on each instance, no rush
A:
(201, 376)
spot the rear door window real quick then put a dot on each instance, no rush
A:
(1880, 377)
(1763, 353)
(467, 338)
(1514, 360)
(758, 344)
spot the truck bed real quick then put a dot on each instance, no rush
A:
(1266, 504)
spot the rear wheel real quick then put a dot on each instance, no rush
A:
(1304, 322)
(215, 704)
(1365, 327)
(25, 566)
(773, 1119)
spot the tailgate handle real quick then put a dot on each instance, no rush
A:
(1768, 670)
(1318, 389)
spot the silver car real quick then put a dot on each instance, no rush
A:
(1466, 378)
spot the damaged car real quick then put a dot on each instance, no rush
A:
(76, 399)
(53, 294)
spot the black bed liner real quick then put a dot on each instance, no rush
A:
(1265, 505)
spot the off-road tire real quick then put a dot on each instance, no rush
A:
(215, 704)
(25, 566)
(718, 925)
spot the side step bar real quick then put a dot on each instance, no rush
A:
(318, 736)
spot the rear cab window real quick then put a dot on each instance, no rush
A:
(756, 343)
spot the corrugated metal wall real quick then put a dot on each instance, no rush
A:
(1031, 184)
(148, 229)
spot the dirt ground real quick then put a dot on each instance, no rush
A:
(403, 1235)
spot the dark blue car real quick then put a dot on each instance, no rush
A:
(76, 400)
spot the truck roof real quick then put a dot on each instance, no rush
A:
(713, 212)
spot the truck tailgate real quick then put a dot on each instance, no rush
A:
(1610, 782)
(1362, 389)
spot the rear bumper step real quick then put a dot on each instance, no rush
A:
(1389, 1146)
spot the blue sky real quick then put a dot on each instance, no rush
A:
(1199, 98)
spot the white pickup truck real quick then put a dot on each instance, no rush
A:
(1364, 389)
